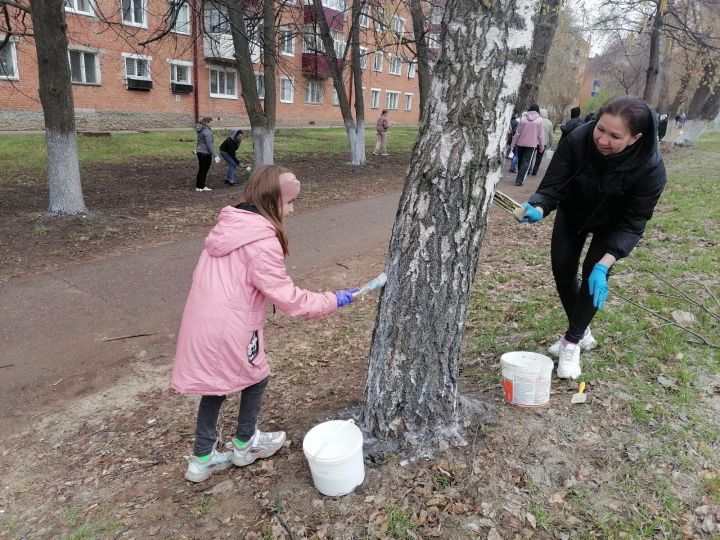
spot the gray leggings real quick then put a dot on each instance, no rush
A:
(209, 410)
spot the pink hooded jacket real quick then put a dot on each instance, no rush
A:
(530, 131)
(220, 346)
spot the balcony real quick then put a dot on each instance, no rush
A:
(315, 66)
(335, 19)
(219, 46)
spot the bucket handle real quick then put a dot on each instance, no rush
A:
(331, 436)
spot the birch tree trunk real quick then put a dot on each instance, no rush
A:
(442, 216)
(55, 89)
(544, 34)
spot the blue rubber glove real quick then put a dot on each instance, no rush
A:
(345, 297)
(597, 284)
(531, 215)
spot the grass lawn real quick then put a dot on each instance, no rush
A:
(26, 152)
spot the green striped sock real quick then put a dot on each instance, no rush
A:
(240, 443)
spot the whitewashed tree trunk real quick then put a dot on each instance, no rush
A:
(356, 137)
(263, 145)
(443, 212)
(691, 132)
(65, 191)
(704, 105)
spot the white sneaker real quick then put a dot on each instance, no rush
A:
(374, 153)
(206, 189)
(261, 445)
(569, 364)
(586, 343)
(386, 154)
(199, 471)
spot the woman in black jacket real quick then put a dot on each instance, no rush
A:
(605, 180)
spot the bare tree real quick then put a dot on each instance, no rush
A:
(49, 31)
(704, 105)
(456, 162)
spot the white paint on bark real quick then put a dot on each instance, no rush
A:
(263, 145)
(691, 132)
(356, 138)
(65, 189)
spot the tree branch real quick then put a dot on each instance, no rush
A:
(21, 7)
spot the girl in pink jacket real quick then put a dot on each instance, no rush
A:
(220, 347)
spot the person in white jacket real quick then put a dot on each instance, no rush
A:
(548, 126)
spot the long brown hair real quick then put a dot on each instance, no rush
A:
(633, 110)
(263, 192)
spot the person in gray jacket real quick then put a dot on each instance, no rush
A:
(205, 152)
(548, 126)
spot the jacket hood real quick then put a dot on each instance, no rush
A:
(236, 228)
(201, 127)
(233, 133)
(543, 113)
(531, 115)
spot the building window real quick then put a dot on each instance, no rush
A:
(137, 67)
(363, 57)
(395, 65)
(364, 19)
(314, 92)
(412, 68)
(133, 13)
(8, 61)
(180, 13)
(287, 42)
(408, 102)
(398, 26)
(374, 98)
(287, 90)
(82, 7)
(180, 72)
(339, 41)
(337, 5)
(436, 16)
(380, 20)
(378, 61)
(434, 41)
(216, 21)
(335, 98)
(312, 42)
(222, 83)
(83, 67)
(260, 85)
(392, 100)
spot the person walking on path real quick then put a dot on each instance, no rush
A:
(228, 151)
(221, 342)
(548, 127)
(662, 127)
(381, 127)
(529, 138)
(567, 127)
(604, 180)
(510, 135)
(205, 152)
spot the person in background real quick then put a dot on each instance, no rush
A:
(381, 127)
(511, 134)
(205, 152)
(604, 180)
(548, 126)
(221, 342)
(567, 127)
(529, 139)
(228, 151)
(591, 117)
(662, 127)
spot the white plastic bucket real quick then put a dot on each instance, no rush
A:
(526, 378)
(334, 452)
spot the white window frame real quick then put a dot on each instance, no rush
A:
(144, 23)
(364, 57)
(398, 29)
(260, 84)
(436, 15)
(136, 57)
(217, 26)
(412, 68)
(364, 18)
(335, 98)
(183, 63)
(96, 59)
(394, 61)
(292, 89)
(433, 40)
(186, 8)
(310, 94)
(13, 58)
(376, 68)
(73, 8)
(380, 20)
(287, 36)
(375, 93)
(337, 5)
(396, 95)
(339, 43)
(312, 42)
(224, 95)
(408, 101)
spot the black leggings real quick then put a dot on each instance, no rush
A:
(565, 250)
(204, 161)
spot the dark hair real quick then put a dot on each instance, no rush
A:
(534, 107)
(205, 119)
(575, 112)
(384, 111)
(631, 109)
(263, 192)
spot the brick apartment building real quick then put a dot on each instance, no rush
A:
(118, 85)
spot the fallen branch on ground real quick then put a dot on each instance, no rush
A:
(128, 337)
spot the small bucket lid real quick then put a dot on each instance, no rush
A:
(527, 362)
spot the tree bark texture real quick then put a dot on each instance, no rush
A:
(704, 106)
(433, 253)
(55, 89)
(653, 69)
(421, 53)
(543, 37)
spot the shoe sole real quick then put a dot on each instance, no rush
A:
(201, 477)
(568, 375)
(236, 459)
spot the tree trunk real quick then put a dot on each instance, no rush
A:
(542, 41)
(356, 138)
(680, 97)
(262, 121)
(55, 89)
(704, 106)
(443, 211)
(421, 53)
(653, 69)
